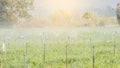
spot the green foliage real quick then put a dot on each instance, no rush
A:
(13, 10)
(86, 15)
(79, 48)
(101, 23)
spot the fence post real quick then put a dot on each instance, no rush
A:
(44, 53)
(66, 56)
(115, 43)
(114, 46)
(74, 63)
(0, 61)
(93, 53)
(1, 58)
(93, 58)
(67, 51)
(25, 56)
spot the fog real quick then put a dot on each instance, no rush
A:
(49, 6)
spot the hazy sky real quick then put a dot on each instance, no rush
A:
(43, 7)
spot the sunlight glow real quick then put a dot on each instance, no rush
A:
(61, 4)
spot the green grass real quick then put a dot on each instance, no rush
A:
(55, 40)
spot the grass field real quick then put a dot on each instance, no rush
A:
(48, 47)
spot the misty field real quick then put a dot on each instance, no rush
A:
(66, 47)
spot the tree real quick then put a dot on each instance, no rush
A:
(14, 10)
(62, 17)
(118, 13)
(86, 15)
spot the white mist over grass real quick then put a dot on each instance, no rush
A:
(52, 34)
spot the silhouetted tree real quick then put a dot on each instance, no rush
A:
(118, 13)
(86, 15)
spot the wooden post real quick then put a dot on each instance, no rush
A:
(67, 52)
(93, 57)
(66, 56)
(114, 46)
(1, 59)
(74, 63)
(44, 53)
(25, 56)
(0, 62)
